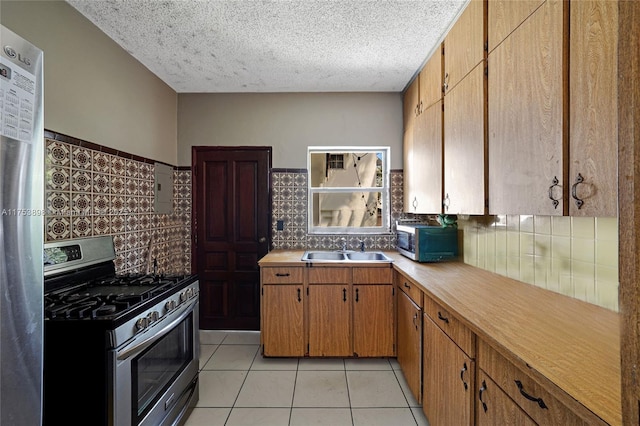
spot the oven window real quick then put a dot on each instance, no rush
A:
(156, 369)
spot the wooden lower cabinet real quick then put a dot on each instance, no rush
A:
(282, 320)
(495, 407)
(329, 320)
(531, 395)
(373, 325)
(448, 379)
(409, 348)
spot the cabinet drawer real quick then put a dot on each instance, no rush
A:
(410, 289)
(321, 275)
(461, 335)
(531, 396)
(283, 275)
(373, 275)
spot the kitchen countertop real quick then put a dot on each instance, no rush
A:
(573, 344)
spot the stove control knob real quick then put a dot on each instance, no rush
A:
(142, 323)
(153, 316)
(170, 305)
(183, 296)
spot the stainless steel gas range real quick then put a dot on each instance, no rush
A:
(119, 349)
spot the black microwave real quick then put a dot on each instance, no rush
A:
(427, 243)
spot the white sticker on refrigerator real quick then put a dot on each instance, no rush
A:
(17, 101)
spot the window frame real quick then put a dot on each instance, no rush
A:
(384, 190)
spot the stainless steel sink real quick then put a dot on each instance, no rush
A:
(324, 255)
(369, 256)
(348, 256)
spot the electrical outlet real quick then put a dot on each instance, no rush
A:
(280, 225)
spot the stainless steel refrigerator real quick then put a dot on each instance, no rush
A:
(21, 230)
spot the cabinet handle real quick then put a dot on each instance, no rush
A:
(482, 389)
(407, 285)
(299, 298)
(445, 86)
(574, 190)
(554, 201)
(357, 295)
(464, 369)
(344, 294)
(415, 317)
(442, 318)
(540, 402)
(446, 202)
(282, 275)
(421, 109)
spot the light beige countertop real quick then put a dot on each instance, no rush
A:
(573, 344)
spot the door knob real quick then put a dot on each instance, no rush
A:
(262, 240)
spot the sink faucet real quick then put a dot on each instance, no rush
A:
(343, 241)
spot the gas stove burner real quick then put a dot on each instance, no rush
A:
(104, 310)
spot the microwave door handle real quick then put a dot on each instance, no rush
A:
(156, 336)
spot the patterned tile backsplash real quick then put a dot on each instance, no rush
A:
(91, 193)
(289, 204)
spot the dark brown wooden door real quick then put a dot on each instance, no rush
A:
(231, 232)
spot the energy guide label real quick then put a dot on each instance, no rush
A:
(17, 101)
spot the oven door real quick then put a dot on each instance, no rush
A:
(155, 377)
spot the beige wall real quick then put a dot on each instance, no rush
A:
(95, 90)
(289, 122)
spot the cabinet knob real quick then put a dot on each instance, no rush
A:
(262, 240)
(446, 202)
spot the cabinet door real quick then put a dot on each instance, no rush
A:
(448, 379)
(329, 320)
(410, 343)
(464, 146)
(464, 44)
(496, 408)
(409, 180)
(373, 323)
(526, 115)
(427, 162)
(431, 81)
(593, 96)
(282, 320)
(504, 16)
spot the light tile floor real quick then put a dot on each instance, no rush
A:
(238, 387)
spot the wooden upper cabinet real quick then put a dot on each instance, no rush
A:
(464, 44)
(426, 163)
(464, 146)
(410, 103)
(593, 95)
(431, 81)
(505, 16)
(422, 139)
(526, 94)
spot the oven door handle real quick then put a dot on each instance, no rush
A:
(126, 353)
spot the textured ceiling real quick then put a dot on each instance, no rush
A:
(206, 46)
